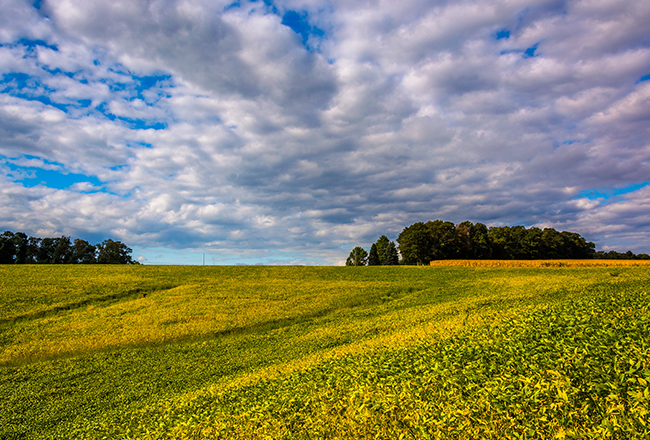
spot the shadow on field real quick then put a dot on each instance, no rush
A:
(103, 300)
(368, 299)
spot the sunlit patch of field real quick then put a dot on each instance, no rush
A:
(319, 352)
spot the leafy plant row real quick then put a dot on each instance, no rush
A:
(573, 369)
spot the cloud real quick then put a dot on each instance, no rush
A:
(293, 130)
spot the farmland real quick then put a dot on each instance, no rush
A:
(448, 351)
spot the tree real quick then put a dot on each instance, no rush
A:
(552, 244)
(381, 248)
(502, 243)
(438, 240)
(358, 257)
(114, 252)
(7, 248)
(481, 248)
(83, 252)
(577, 247)
(532, 243)
(414, 244)
(45, 254)
(390, 255)
(21, 243)
(33, 244)
(464, 240)
(62, 251)
(443, 242)
(373, 256)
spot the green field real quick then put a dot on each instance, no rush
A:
(153, 352)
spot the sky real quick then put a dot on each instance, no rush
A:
(290, 131)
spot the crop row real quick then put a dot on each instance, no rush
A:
(573, 369)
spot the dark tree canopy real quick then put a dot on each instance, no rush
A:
(414, 244)
(373, 256)
(7, 248)
(113, 252)
(358, 257)
(613, 255)
(437, 240)
(391, 258)
(84, 252)
(383, 253)
(420, 243)
(381, 244)
(18, 248)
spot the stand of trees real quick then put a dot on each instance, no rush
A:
(421, 243)
(18, 248)
(613, 255)
(382, 253)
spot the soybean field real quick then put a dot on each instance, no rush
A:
(448, 351)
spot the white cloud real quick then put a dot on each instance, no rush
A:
(400, 112)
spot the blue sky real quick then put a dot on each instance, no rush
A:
(287, 132)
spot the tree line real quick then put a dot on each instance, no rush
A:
(421, 243)
(19, 248)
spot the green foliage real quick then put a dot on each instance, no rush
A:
(383, 253)
(382, 244)
(373, 256)
(415, 243)
(152, 352)
(390, 257)
(114, 252)
(613, 255)
(18, 248)
(84, 252)
(422, 243)
(358, 257)
(577, 370)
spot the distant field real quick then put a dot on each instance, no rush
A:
(449, 351)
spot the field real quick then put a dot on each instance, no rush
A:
(447, 351)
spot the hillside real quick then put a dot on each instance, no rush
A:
(324, 352)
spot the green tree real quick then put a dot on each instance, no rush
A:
(532, 243)
(358, 257)
(62, 251)
(45, 254)
(391, 258)
(21, 242)
(481, 248)
(381, 244)
(414, 244)
(517, 246)
(33, 244)
(83, 252)
(7, 248)
(577, 247)
(373, 256)
(502, 243)
(552, 244)
(443, 242)
(464, 240)
(114, 252)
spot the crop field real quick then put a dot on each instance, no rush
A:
(453, 351)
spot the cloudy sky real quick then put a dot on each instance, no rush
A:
(289, 131)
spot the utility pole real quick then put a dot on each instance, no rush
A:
(204, 258)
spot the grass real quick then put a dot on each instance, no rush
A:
(323, 352)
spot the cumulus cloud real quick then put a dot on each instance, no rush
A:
(292, 130)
